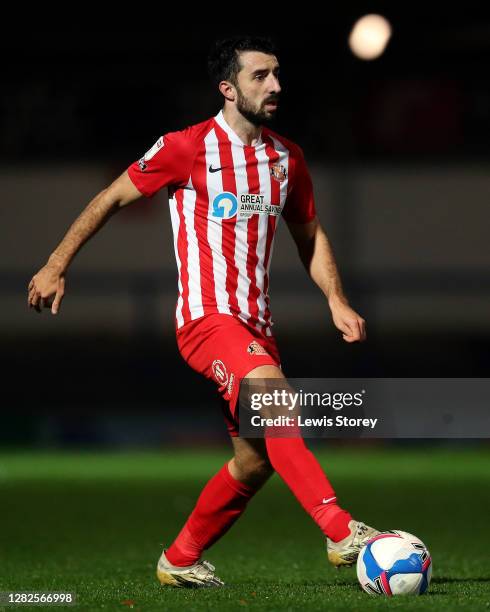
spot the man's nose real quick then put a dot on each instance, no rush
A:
(274, 86)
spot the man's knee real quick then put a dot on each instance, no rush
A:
(253, 466)
(251, 463)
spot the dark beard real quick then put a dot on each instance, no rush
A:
(255, 117)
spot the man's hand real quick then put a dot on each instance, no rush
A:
(46, 289)
(352, 325)
(317, 257)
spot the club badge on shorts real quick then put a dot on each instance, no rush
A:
(254, 348)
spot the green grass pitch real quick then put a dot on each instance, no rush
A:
(95, 523)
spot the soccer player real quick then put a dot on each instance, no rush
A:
(229, 179)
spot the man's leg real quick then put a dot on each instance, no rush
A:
(302, 473)
(202, 343)
(222, 501)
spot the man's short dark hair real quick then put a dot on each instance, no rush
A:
(223, 59)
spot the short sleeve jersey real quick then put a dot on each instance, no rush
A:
(225, 201)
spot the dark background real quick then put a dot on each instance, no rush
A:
(100, 94)
(399, 151)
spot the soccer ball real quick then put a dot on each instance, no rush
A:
(394, 563)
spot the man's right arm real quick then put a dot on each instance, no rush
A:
(46, 288)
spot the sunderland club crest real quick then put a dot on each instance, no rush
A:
(278, 172)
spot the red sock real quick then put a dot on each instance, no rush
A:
(221, 503)
(302, 473)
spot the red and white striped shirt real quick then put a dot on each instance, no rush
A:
(225, 201)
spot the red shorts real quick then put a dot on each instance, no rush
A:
(225, 349)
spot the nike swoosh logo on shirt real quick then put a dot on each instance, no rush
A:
(211, 169)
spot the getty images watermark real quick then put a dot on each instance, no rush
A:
(292, 401)
(365, 408)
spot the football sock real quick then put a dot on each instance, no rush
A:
(221, 503)
(302, 473)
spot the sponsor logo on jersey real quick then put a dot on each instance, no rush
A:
(226, 205)
(141, 164)
(219, 371)
(279, 172)
(254, 348)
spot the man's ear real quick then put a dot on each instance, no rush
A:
(228, 90)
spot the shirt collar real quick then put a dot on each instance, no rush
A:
(221, 121)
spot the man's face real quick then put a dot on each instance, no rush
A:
(258, 86)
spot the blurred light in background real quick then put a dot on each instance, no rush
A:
(369, 36)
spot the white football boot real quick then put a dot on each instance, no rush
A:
(345, 552)
(201, 574)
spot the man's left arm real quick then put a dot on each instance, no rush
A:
(317, 256)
